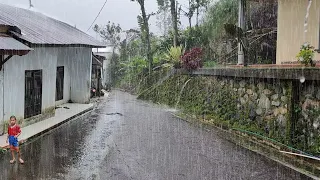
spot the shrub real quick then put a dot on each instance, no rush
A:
(306, 55)
(192, 60)
(172, 57)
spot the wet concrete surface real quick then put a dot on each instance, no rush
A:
(124, 138)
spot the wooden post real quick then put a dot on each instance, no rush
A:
(242, 25)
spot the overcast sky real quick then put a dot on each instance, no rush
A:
(82, 12)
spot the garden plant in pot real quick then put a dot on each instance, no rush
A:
(306, 55)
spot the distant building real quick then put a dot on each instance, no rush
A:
(106, 55)
(96, 75)
(47, 63)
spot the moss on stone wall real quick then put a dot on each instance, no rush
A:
(257, 105)
(308, 121)
(279, 109)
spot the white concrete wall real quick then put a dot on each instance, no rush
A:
(290, 35)
(106, 72)
(14, 80)
(77, 74)
(80, 74)
(64, 59)
(77, 78)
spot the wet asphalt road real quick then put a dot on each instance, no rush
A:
(124, 138)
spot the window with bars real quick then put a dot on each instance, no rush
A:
(33, 93)
(59, 83)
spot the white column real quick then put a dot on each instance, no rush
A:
(241, 24)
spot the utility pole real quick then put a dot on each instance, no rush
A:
(242, 25)
(30, 4)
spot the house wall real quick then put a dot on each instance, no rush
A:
(14, 80)
(77, 74)
(106, 72)
(77, 80)
(291, 17)
(80, 74)
(65, 59)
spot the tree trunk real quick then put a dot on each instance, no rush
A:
(174, 22)
(146, 34)
(190, 14)
(197, 19)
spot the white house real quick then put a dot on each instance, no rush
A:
(44, 63)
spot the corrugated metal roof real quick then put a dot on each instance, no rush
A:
(8, 43)
(37, 28)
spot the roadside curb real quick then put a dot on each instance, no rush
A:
(84, 112)
(256, 147)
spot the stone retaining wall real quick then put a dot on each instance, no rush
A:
(281, 109)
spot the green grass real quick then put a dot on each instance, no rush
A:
(210, 64)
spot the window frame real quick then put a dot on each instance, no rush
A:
(59, 96)
(34, 86)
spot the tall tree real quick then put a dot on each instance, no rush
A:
(198, 5)
(164, 22)
(144, 25)
(174, 16)
(111, 34)
(190, 12)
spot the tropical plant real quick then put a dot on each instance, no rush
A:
(306, 55)
(192, 60)
(172, 57)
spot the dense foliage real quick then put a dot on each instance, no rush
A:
(162, 52)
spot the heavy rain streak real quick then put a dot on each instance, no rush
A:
(160, 90)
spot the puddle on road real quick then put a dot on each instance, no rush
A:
(112, 114)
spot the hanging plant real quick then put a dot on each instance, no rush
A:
(306, 55)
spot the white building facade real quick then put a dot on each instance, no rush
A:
(56, 71)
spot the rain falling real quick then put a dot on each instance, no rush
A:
(160, 90)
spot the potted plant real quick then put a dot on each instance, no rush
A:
(306, 55)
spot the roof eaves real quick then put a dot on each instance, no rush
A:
(66, 45)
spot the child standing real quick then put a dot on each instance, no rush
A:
(14, 132)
